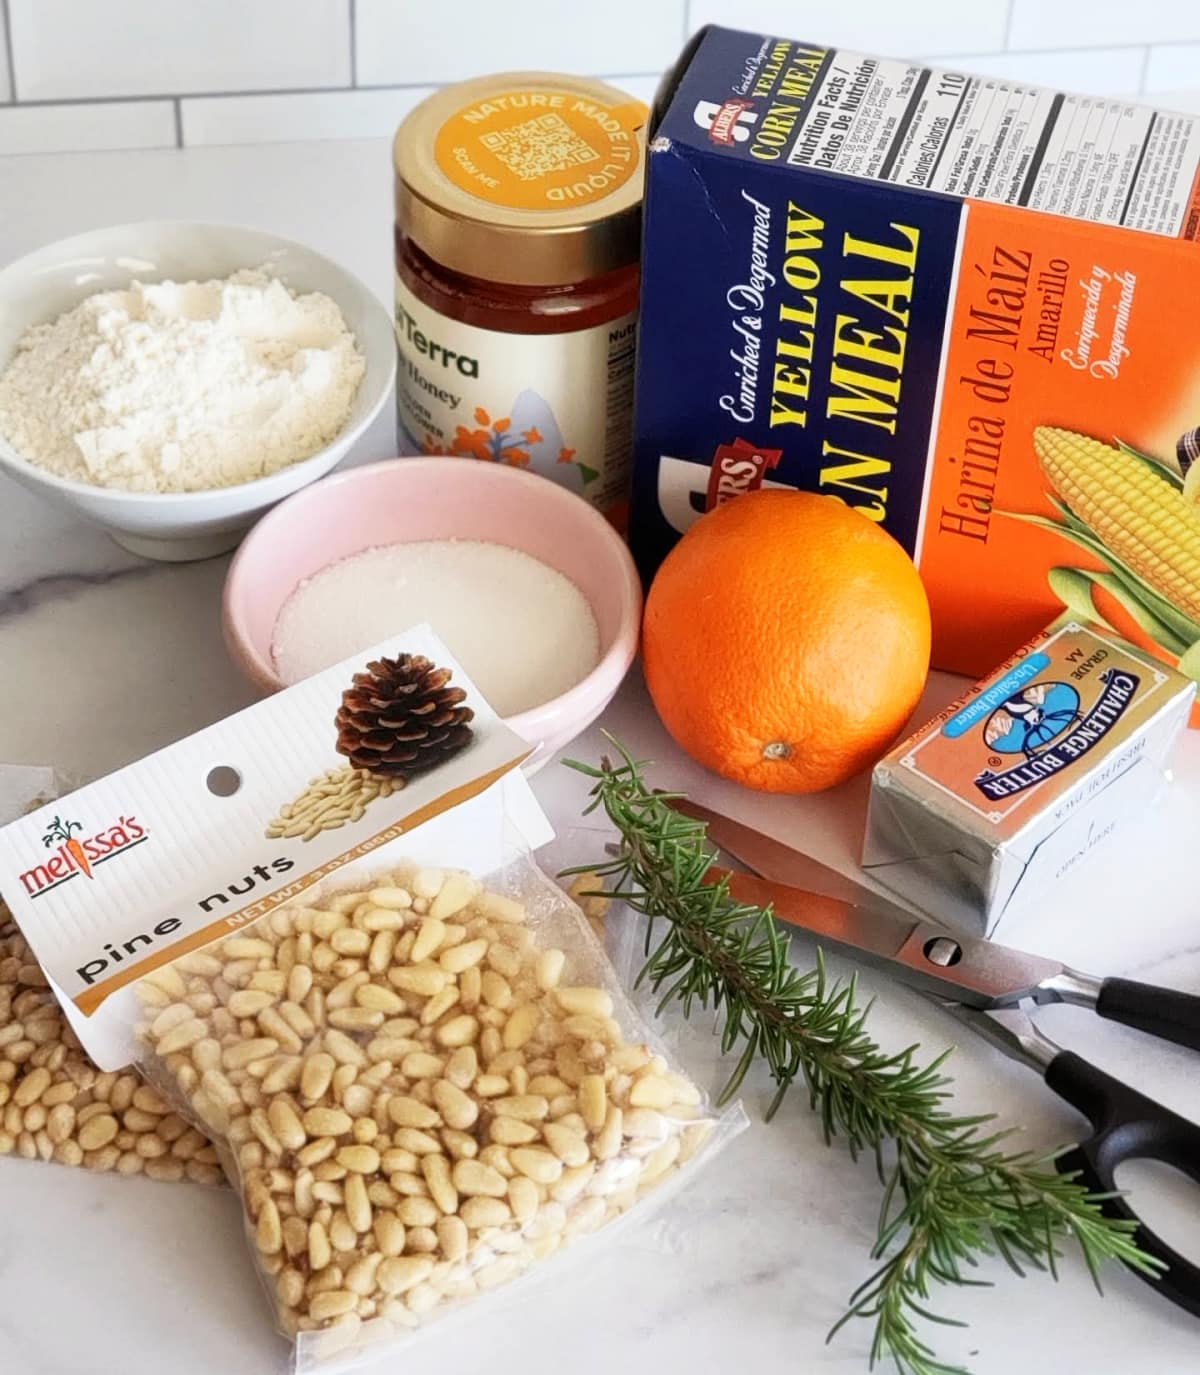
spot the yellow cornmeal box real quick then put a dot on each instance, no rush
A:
(1010, 787)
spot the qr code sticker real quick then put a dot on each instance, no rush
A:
(539, 147)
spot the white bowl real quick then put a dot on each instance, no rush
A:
(186, 525)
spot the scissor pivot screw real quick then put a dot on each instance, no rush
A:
(943, 951)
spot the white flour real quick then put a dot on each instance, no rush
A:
(523, 631)
(181, 387)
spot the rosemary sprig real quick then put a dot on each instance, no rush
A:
(951, 1192)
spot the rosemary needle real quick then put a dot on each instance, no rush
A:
(952, 1193)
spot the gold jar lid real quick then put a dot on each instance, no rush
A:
(527, 178)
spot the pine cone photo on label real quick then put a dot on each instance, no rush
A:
(402, 717)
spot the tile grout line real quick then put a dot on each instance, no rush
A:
(353, 43)
(1008, 25)
(256, 95)
(178, 104)
(687, 20)
(1145, 72)
(8, 52)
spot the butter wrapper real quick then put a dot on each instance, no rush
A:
(1001, 795)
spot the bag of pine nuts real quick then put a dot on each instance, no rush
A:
(415, 1061)
(54, 1103)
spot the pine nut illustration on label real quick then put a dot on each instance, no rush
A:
(518, 204)
(399, 717)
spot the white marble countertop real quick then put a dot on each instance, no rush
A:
(104, 657)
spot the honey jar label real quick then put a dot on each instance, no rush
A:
(542, 149)
(557, 404)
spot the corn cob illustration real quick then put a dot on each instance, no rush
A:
(1141, 517)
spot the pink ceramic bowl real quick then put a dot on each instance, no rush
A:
(440, 498)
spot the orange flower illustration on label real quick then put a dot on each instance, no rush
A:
(495, 441)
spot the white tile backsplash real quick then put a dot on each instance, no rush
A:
(241, 71)
(873, 26)
(82, 48)
(286, 118)
(643, 87)
(1174, 68)
(1095, 71)
(87, 127)
(400, 42)
(5, 83)
(1094, 23)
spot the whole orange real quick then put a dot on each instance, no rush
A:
(786, 641)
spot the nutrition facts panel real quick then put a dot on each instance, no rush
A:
(1084, 156)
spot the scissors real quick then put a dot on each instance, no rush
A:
(985, 985)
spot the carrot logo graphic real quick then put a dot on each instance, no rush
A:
(72, 855)
(62, 832)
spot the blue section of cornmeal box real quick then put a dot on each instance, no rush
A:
(703, 200)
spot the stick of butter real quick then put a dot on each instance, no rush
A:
(999, 796)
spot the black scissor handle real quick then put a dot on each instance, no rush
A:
(1168, 1013)
(1129, 1126)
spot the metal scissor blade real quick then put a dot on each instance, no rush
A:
(975, 972)
(774, 860)
(856, 922)
(1009, 1029)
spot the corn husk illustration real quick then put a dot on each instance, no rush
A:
(1138, 518)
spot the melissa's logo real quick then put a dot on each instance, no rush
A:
(728, 123)
(1046, 726)
(76, 854)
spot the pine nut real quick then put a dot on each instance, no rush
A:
(458, 1110)
(593, 1101)
(327, 1122)
(286, 1125)
(568, 1146)
(98, 1131)
(510, 1131)
(462, 1067)
(452, 1237)
(472, 1178)
(460, 957)
(521, 1025)
(651, 1091)
(594, 1002)
(549, 969)
(481, 1211)
(457, 890)
(420, 1064)
(536, 1164)
(458, 1031)
(410, 1112)
(422, 979)
(389, 1234)
(397, 1274)
(359, 1212)
(397, 899)
(438, 1004)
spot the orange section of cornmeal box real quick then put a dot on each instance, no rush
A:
(1071, 397)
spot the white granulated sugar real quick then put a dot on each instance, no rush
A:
(522, 630)
(182, 387)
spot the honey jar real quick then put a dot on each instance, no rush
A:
(518, 205)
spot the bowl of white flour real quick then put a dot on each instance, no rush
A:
(171, 381)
